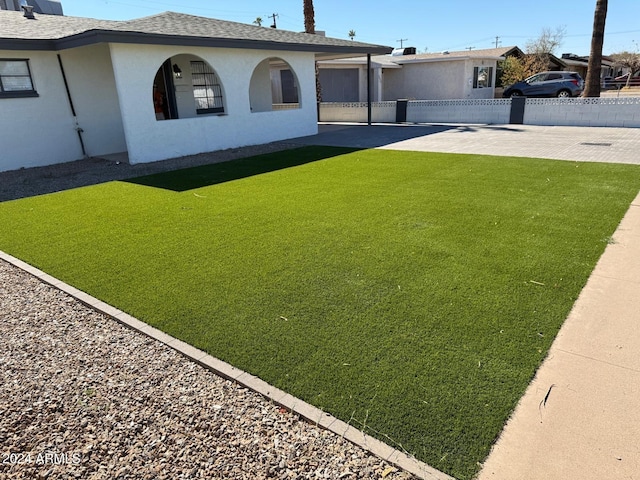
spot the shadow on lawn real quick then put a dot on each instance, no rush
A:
(205, 175)
(29, 182)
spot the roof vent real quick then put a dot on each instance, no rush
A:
(28, 12)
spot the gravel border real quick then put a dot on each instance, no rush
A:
(81, 396)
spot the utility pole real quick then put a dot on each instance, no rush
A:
(402, 40)
(470, 48)
(497, 41)
(274, 20)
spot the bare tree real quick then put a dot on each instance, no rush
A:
(536, 57)
(548, 41)
(538, 50)
(629, 60)
(592, 84)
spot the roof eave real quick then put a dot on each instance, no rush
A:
(26, 44)
(445, 58)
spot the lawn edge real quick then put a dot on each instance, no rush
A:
(225, 370)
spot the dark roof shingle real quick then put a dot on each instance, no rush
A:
(57, 32)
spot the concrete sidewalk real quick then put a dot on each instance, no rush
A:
(580, 417)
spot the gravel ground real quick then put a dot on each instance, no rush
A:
(81, 396)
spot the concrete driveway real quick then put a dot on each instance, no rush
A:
(587, 144)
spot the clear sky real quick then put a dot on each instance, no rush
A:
(431, 25)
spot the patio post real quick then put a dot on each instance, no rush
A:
(369, 89)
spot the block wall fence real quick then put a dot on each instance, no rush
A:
(584, 112)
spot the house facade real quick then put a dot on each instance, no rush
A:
(158, 87)
(427, 76)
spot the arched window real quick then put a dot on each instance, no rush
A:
(274, 86)
(186, 86)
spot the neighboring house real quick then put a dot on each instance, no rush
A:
(73, 87)
(51, 7)
(576, 63)
(427, 76)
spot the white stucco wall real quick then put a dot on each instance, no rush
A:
(261, 96)
(426, 81)
(149, 140)
(93, 90)
(38, 131)
(479, 93)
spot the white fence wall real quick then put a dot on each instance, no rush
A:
(595, 112)
(588, 112)
(459, 111)
(381, 112)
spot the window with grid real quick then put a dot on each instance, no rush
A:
(15, 79)
(206, 88)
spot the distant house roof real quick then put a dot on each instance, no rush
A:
(573, 60)
(489, 53)
(53, 32)
(393, 61)
(384, 61)
(51, 7)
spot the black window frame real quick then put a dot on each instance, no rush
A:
(211, 81)
(18, 93)
(476, 73)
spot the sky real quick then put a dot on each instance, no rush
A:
(429, 25)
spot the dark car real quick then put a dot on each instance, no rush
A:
(547, 84)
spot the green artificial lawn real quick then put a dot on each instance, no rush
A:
(411, 294)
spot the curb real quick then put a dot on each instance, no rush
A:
(279, 397)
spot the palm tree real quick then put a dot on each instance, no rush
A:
(310, 27)
(258, 21)
(592, 87)
(309, 17)
(352, 33)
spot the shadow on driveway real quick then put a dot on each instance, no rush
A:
(365, 136)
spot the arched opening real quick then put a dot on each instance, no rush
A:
(274, 86)
(186, 86)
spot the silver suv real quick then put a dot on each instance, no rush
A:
(547, 84)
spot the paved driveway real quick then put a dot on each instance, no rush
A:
(592, 144)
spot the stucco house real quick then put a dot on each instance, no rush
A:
(468, 74)
(156, 87)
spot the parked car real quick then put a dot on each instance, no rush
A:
(547, 84)
(621, 81)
